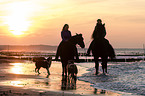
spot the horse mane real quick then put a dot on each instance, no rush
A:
(74, 38)
(77, 35)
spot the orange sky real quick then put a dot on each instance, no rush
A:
(30, 22)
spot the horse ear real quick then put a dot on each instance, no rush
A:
(76, 34)
(80, 34)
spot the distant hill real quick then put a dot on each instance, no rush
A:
(28, 47)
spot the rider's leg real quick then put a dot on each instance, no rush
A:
(58, 51)
(90, 48)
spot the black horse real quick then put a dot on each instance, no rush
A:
(67, 50)
(102, 48)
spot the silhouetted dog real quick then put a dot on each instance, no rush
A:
(43, 63)
(72, 69)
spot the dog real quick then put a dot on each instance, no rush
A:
(43, 63)
(72, 70)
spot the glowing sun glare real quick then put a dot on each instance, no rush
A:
(17, 68)
(17, 20)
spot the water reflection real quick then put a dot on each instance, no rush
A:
(42, 83)
(99, 91)
(16, 83)
(68, 83)
(25, 68)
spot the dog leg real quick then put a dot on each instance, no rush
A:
(75, 78)
(35, 70)
(48, 71)
(38, 70)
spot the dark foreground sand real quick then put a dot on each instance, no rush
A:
(17, 78)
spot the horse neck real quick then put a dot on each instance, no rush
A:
(73, 40)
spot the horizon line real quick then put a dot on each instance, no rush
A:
(57, 45)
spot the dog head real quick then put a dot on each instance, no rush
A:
(71, 62)
(49, 59)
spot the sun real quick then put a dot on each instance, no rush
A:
(17, 20)
(18, 25)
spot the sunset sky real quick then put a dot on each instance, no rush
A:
(31, 22)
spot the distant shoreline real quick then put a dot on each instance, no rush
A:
(27, 47)
(80, 60)
(5, 47)
(27, 52)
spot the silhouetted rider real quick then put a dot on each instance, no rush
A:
(65, 35)
(99, 34)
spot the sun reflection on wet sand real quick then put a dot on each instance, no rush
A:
(17, 68)
(16, 83)
(22, 68)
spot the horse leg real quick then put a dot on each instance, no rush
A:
(63, 69)
(106, 68)
(104, 64)
(96, 64)
(103, 67)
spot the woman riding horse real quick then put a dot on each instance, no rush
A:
(67, 48)
(100, 46)
(67, 51)
(65, 35)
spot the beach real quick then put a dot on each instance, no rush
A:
(79, 30)
(18, 78)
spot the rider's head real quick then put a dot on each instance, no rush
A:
(99, 21)
(65, 27)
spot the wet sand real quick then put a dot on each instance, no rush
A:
(18, 78)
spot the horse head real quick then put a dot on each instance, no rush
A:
(80, 40)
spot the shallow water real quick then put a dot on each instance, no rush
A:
(128, 77)
(21, 74)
